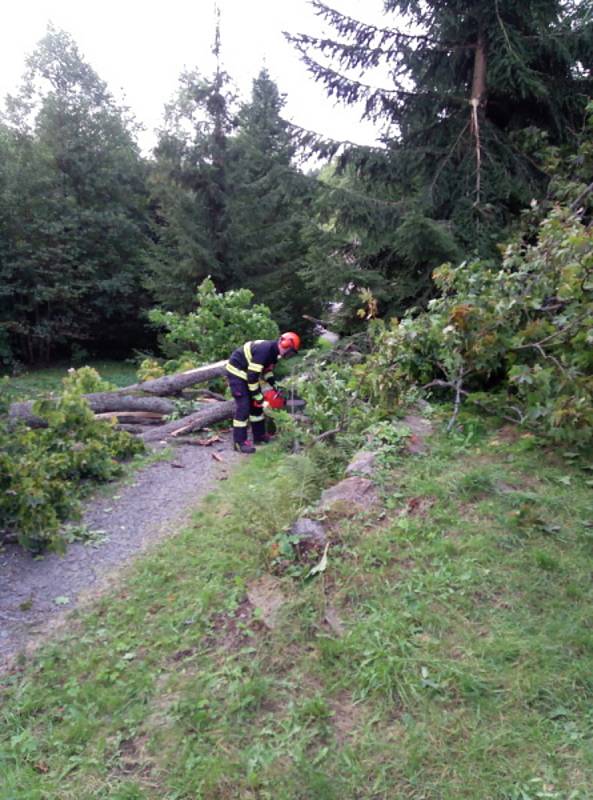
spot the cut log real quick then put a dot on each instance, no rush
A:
(213, 395)
(110, 401)
(174, 384)
(137, 430)
(215, 412)
(131, 416)
(100, 403)
(21, 412)
(121, 400)
(198, 442)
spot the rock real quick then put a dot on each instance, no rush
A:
(420, 429)
(309, 533)
(265, 594)
(349, 496)
(364, 463)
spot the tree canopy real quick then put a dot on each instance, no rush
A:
(74, 208)
(477, 103)
(471, 94)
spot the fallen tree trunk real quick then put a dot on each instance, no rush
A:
(100, 403)
(21, 412)
(136, 428)
(141, 417)
(216, 412)
(121, 400)
(174, 384)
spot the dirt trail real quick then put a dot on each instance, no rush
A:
(37, 594)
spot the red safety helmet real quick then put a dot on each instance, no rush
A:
(290, 340)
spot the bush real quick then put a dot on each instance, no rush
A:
(221, 323)
(515, 339)
(43, 472)
(85, 380)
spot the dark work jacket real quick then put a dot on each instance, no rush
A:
(254, 362)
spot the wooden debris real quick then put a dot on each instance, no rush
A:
(174, 384)
(129, 416)
(194, 422)
(205, 442)
(100, 403)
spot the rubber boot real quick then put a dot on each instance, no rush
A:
(244, 447)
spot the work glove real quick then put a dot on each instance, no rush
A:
(258, 400)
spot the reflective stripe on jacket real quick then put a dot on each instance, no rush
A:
(253, 362)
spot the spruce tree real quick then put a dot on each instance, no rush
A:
(270, 207)
(190, 189)
(474, 90)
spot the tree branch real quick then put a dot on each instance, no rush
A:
(576, 204)
(345, 23)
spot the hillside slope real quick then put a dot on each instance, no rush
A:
(445, 652)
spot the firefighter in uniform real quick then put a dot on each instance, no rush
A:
(248, 368)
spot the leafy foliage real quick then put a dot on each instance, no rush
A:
(330, 385)
(221, 322)
(515, 339)
(85, 380)
(42, 472)
(72, 210)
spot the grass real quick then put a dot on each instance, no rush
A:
(38, 382)
(465, 669)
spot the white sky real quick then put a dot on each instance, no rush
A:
(140, 47)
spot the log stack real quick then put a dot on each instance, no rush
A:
(142, 407)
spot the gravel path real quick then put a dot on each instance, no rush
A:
(37, 594)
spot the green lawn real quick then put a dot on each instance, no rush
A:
(38, 382)
(464, 668)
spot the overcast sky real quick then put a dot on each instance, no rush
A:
(140, 47)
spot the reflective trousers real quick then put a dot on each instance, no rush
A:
(245, 412)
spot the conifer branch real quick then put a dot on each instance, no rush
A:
(366, 32)
(575, 205)
(317, 141)
(348, 90)
(503, 29)
(349, 56)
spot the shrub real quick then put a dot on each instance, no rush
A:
(221, 322)
(516, 339)
(84, 381)
(43, 472)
